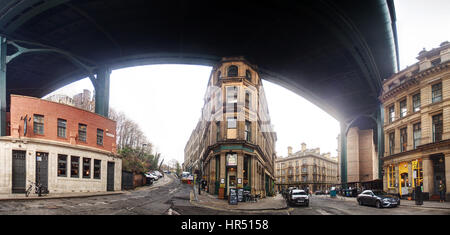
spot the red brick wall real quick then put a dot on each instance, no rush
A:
(24, 105)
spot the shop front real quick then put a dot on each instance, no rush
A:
(403, 177)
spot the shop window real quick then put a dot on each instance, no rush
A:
(416, 102)
(417, 134)
(62, 165)
(99, 137)
(86, 168)
(62, 128)
(232, 71)
(82, 128)
(436, 92)
(403, 139)
(74, 167)
(38, 124)
(437, 128)
(97, 168)
(403, 108)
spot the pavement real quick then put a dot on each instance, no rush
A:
(403, 202)
(33, 196)
(206, 200)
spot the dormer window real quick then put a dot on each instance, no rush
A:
(248, 75)
(232, 71)
(436, 62)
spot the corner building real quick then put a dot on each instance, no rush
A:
(416, 105)
(233, 144)
(65, 148)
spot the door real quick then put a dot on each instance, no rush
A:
(18, 171)
(404, 183)
(42, 168)
(110, 177)
(231, 182)
(439, 172)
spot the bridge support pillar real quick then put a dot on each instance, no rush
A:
(343, 141)
(101, 85)
(380, 133)
(2, 86)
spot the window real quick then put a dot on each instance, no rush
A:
(391, 176)
(231, 123)
(403, 109)
(416, 102)
(248, 75)
(62, 128)
(86, 167)
(248, 99)
(391, 114)
(232, 98)
(74, 166)
(391, 143)
(232, 71)
(38, 124)
(248, 131)
(437, 128)
(62, 165)
(99, 136)
(417, 134)
(82, 132)
(436, 92)
(97, 168)
(436, 62)
(217, 130)
(403, 139)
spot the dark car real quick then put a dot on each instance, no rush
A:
(377, 198)
(319, 192)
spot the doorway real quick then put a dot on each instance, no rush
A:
(18, 171)
(231, 180)
(439, 172)
(42, 168)
(110, 177)
(404, 183)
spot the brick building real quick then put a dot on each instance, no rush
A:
(233, 144)
(307, 168)
(65, 148)
(416, 105)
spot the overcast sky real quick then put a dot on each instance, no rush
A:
(166, 100)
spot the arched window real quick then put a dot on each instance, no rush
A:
(248, 75)
(232, 71)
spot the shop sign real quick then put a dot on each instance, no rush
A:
(232, 159)
(233, 198)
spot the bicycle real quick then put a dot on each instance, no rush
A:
(39, 189)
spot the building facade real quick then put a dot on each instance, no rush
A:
(416, 105)
(306, 169)
(65, 148)
(233, 144)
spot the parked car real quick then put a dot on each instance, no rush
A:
(152, 176)
(157, 173)
(149, 179)
(319, 192)
(298, 197)
(377, 198)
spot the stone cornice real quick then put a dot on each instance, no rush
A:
(413, 80)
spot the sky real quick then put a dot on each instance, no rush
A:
(166, 100)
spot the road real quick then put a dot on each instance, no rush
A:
(169, 196)
(324, 205)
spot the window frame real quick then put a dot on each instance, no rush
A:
(84, 164)
(101, 137)
(99, 168)
(72, 168)
(61, 129)
(80, 131)
(38, 125)
(233, 71)
(416, 102)
(436, 92)
(59, 166)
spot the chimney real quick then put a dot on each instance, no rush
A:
(289, 150)
(303, 147)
